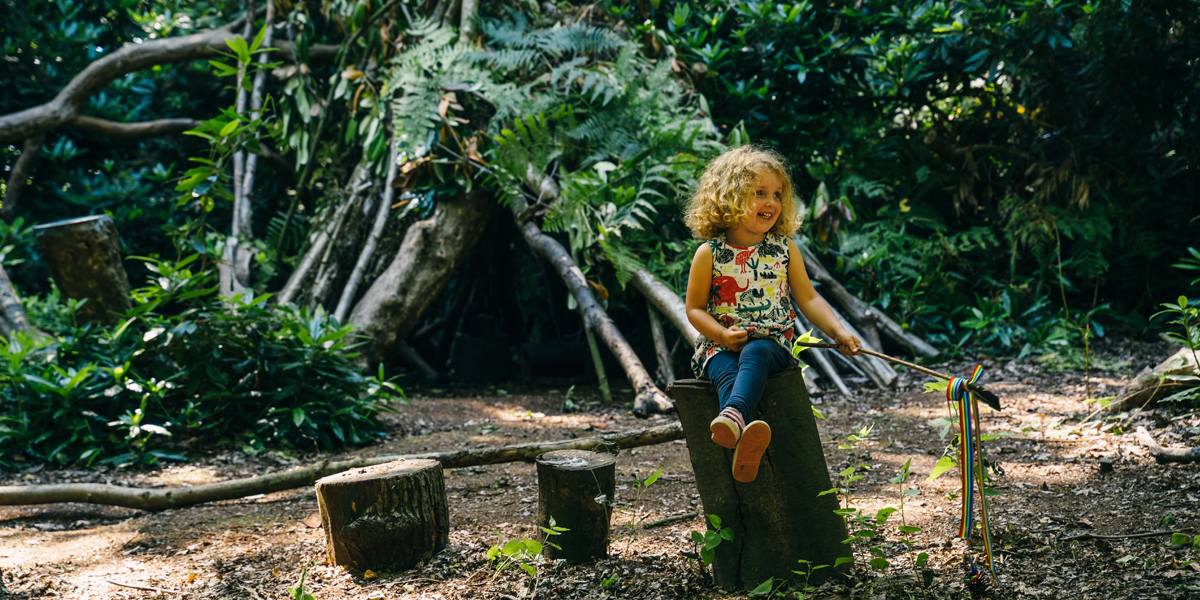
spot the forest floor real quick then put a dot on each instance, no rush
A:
(1052, 491)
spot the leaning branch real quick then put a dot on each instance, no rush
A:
(165, 498)
(64, 108)
(648, 398)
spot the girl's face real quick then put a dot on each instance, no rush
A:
(766, 200)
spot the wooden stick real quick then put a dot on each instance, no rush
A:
(885, 357)
(1092, 536)
(145, 588)
(671, 519)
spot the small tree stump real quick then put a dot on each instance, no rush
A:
(777, 519)
(385, 517)
(84, 257)
(576, 488)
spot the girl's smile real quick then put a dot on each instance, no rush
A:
(765, 203)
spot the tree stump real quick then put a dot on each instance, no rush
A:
(777, 519)
(84, 257)
(576, 488)
(385, 517)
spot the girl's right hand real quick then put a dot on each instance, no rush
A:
(734, 338)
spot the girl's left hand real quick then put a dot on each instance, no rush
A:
(848, 344)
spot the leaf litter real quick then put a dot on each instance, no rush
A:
(1058, 521)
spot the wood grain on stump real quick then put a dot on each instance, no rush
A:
(385, 517)
(576, 488)
(777, 519)
(84, 258)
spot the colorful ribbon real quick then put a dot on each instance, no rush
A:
(970, 461)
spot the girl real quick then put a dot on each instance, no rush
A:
(738, 292)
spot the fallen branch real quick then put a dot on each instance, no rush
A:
(1162, 455)
(144, 588)
(671, 519)
(164, 498)
(1092, 536)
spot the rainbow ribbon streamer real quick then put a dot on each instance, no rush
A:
(970, 460)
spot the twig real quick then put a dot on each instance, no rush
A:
(146, 588)
(1092, 536)
(671, 519)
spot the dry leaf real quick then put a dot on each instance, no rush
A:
(473, 150)
(191, 577)
(370, 574)
(601, 291)
(352, 73)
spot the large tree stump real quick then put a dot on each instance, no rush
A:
(778, 518)
(386, 517)
(576, 488)
(84, 257)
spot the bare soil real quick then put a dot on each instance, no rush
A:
(1052, 491)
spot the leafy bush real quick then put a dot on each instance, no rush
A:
(180, 361)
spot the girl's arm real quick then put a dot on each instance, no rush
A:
(813, 306)
(696, 303)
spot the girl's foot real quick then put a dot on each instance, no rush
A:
(727, 428)
(750, 448)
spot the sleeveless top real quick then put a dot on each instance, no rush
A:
(749, 289)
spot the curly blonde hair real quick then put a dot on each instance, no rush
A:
(722, 198)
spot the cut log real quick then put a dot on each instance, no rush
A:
(778, 518)
(575, 490)
(1152, 384)
(878, 371)
(872, 322)
(84, 257)
(386, 517)
(1162, 455)
(164, 498)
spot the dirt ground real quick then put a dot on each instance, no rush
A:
(1052, 491)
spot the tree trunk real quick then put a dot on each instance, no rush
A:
(778, 518)
(386, 517)
(432, 249)
(576, 490)
(164, 498)
(870, 321)
(12, 314)
(84, 257)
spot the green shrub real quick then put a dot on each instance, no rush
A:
(182, 362)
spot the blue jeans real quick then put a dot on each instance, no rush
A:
(741, 376)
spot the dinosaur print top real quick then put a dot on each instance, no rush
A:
(749, 289)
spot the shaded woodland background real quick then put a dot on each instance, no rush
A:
(1002, 179)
